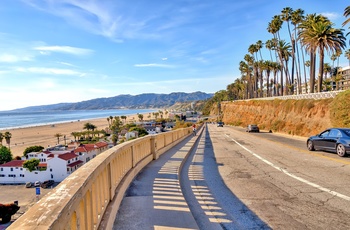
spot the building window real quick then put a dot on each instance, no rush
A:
(50, 170)
(11, 169)
(1, 169)
(21, 169)
(2, 175)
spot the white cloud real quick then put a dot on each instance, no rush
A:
(331, 15)
(11, 58)
(55, 71)
(154, 65)
(64, 49)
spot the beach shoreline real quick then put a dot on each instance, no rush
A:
(44, 135)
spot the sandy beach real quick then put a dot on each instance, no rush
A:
(45, 135)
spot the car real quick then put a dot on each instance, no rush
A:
(252, 128)
(37, 184)
(333, 140)
(220, 124)
(29, 184)
(47, 183)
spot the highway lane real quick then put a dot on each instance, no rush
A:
(278, 179)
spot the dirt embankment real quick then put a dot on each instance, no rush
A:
(294, 117)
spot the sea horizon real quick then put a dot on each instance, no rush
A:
(20, 119)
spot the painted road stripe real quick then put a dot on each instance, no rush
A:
(292, 175)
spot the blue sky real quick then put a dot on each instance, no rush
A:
(54, 51)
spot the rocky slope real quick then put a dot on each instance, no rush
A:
(295, 117)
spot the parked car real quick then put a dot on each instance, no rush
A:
(252, 128)
(220, 124)
(47, 183)
(37, 184)
(334, 140)
(29, 184)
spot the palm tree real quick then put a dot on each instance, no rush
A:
(268, 67)
(269, 44)
(7, 136)
(140, 116)
(58, 135)
(286, 16)
(123, 118)
(1, 138)
(320, 36)
(346, 14)
(297, 17)
(347, 55)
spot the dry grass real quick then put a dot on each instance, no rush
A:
(295, 117)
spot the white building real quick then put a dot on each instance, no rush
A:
(54, 165)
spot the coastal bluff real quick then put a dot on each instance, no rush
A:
(294, 117)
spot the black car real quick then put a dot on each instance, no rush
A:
(220, 124)
(334, 140)
(47, 183)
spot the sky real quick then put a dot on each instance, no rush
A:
(55, 51)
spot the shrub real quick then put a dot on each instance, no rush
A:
(340, 110)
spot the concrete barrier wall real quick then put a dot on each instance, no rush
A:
(90, 197)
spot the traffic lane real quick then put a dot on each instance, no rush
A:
(278, 199)
(328, 173)
(293, 142)
(330, 170)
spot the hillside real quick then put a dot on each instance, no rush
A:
(141, 101)
(295, 117)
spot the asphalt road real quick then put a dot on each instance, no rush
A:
(274, 180)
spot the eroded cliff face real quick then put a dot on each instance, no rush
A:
(295, 117)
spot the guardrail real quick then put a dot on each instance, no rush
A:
(90, 197)
(316, 96)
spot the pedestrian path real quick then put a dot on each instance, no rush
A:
(154, 199)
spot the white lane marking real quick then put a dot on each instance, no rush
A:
(292, 175)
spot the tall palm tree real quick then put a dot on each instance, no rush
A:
(283, 49)
(347, 14)
(306, 27)
(286, 15)
(7, 136)
(296, 18)
(347, 55)
(58, 135)
(321, 36)
(1, 138)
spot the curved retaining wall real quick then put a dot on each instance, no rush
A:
(90, 197)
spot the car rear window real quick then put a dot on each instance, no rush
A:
(347, 132)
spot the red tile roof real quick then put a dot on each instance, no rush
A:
(14, 163)
(67, 156)
(75, 163)
(101, 144)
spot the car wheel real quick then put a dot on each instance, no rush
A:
(310, 146)
(341, 150)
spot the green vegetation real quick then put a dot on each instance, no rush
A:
(141, 131)
(5, 155)
(340, 110)
(310, 35)
(36, 148)
(31, 164)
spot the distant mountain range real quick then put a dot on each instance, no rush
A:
(141, 101)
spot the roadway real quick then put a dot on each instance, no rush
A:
(231, 179)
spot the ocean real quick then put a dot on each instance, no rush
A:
(13, 119)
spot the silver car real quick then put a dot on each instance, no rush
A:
(252, 128)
